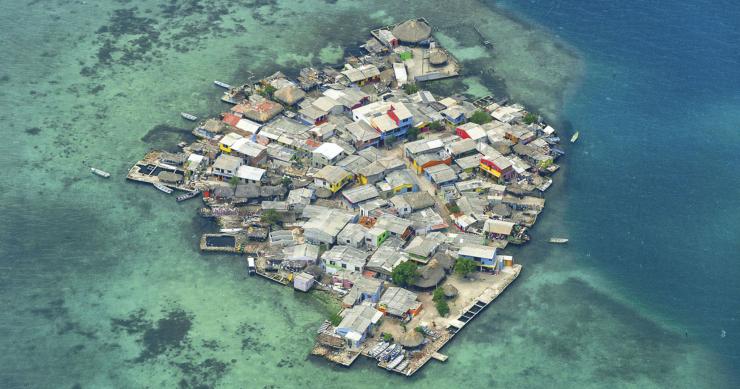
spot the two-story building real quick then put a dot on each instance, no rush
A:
(389, 119)
(225, 166)
(327, 154)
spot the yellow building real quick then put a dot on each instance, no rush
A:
(332, 178)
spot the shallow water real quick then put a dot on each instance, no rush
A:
(103, 283)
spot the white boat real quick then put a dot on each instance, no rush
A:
(575, 136)
(222, 84)
(100, 173)
(188, 196)
(163, 188)
(402, 366)
(189, 116)
(558, 240)
(392, 364)
(230, 230)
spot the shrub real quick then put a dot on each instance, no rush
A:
(530, 118)
(413, 133)
(480, 117)
(442, 307)
(436, 126)
(410, 88)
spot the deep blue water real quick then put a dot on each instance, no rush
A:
(654, 187)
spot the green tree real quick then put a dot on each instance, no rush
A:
(267, 91)
(480, 117)
(233, 182)
(436, 126)
(387, 337)
(405, 274)
(335, 319)
(412, 133)
(439, 294)
(286, 181)
(442, 307)
(389, 140)
(410, 88)
(530, 118)
(453, 208)
(465, 266)
(270, 216)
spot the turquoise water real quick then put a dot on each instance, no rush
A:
(103, 285)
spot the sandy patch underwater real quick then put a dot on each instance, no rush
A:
(103, 281)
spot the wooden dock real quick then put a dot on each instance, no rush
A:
(479, 304)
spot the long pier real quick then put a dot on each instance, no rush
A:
(431, 350)
(478, 305)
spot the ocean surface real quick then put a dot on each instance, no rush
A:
(102, 284)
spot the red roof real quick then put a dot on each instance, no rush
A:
(231, 119)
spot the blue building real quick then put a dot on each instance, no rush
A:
(485, 256)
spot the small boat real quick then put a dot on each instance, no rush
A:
(100, 173)
(163, 188)
(558, 240)
(379, 348)
(189, 116)
(222, 84)
(188, 196)
(403, 365)
(575, 136)
(392, 364)
(385, 355)
(250, 265)
(229, 98)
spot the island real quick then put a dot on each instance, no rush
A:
(356, 183)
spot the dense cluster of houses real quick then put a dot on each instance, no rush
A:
(329, 155)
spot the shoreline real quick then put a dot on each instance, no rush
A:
(393, 162)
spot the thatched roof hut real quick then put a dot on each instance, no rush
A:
(411, 339)
(412, 31)
(437, 57)
(289, 94)
(430, 275)
(449, 290)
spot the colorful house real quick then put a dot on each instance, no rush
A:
(497, 165)
(332, 178)
(227, 141)
(375, 237)
(470, 131)
(484, 256)
(401, 181)
(362, 75)
(389, 119)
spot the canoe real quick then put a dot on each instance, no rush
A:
(188, 196)
(558, 240)
(188, 116)
(222, 84)
(575, 136)
(163, 188)
(100, 173)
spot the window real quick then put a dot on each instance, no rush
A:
(344, 266)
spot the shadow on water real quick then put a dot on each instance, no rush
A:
(166, 137)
